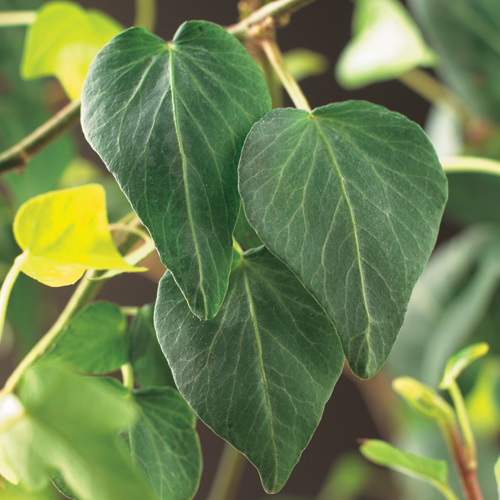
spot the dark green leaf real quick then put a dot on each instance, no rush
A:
(165, 444)
(350, 197)
(150, 366)
(245, 234)
(466, 34)
(260, 373)
(169, 120)
(96, 340)
(68, 423)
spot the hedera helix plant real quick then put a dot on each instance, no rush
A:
(293, 239)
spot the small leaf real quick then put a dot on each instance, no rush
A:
(460, 361)
(386, 43)
(150, 366)
(424, 400)
(303, 63)
(68, 423)
(260, 373)
(169, 120)
(95, 341)
(63, 41)
(350, 197)
(63, 233)
(434, 472)
(165, 444)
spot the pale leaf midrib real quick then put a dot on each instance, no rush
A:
(354, 232)
(186, 187)
(263, 372)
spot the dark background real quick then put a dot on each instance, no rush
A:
(324, 26)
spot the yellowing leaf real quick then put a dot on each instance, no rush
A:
(64, 233)
(63, 41)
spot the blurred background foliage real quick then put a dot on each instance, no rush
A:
(456, 301)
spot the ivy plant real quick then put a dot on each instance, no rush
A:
(293, 239)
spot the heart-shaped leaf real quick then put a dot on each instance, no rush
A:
(169, 120)
(350, 197)
(386, 43)
(260, 373)
(65, 232)
(165, 443)
(63, 41)
(95, 341)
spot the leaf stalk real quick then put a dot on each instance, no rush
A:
(470, 164)
(145, 14)
(18, 18)
(275, 57)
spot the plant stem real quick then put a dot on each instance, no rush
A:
(433, 91)
(19, 155)
(18, 18)
(470, 164)
(145, 14)
(7, 286)
(465, 426)
(447, 492)
(273, 9)
(468, 477)
(128, 377)
(275, 57)
(129, 311)
(228, 474)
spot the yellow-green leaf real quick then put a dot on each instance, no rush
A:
(386, 43)
(460, 361)
(64, 233)
(303, 63)
(424, 400)
(63, 41)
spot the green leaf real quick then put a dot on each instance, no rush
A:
(460, 361)
(303, 63)
(63, 233)
(434, 472)
(11, 492)
(22, 110)
(95, 341)
(466, 35)
(350, 197)
(165, 444)
(245, 234)
(68, 423)
(447, 305)
(386, 43)
(260, 373)
(63, 41)
(150, 366)
(424, 400)
(169, 121)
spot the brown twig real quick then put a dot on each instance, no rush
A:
(18, 156)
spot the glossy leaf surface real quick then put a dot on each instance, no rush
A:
(63, 41)
(431, 471)
(63, 233)
(465, 33)
(169, 121)
(386, 43)
(150, 366)
(67, 423)
(260, 373)
(95, 341)
(350, 197)
(165, 444)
